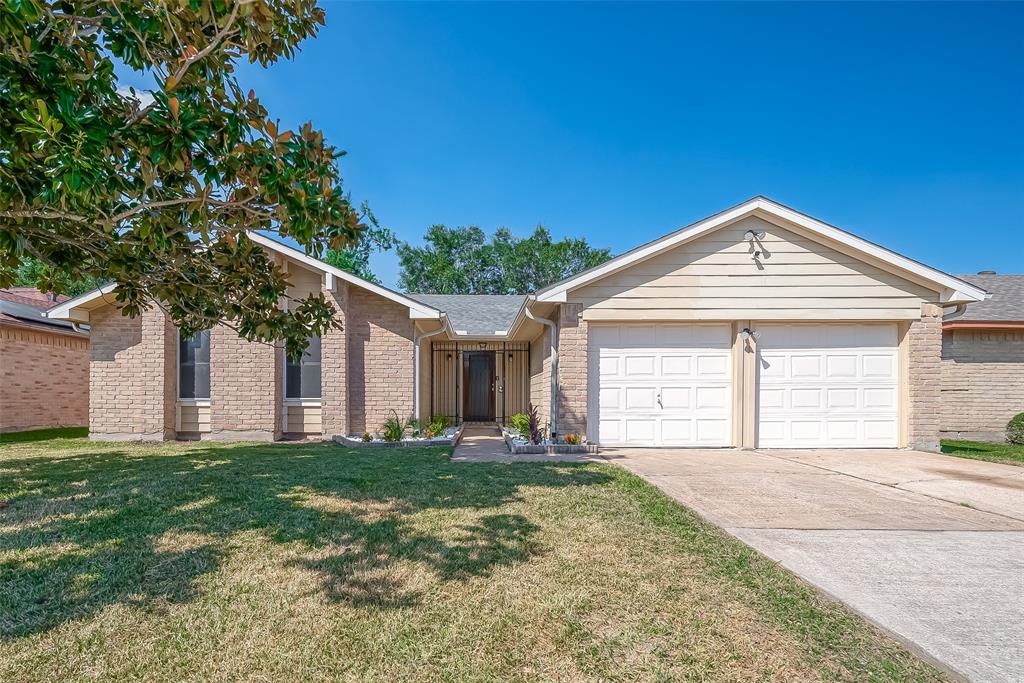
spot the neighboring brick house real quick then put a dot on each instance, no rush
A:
(756, 327)
(983, 361)
(44, 365)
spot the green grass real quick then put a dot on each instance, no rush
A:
(296, 562)
(44, 434)
(980, 450)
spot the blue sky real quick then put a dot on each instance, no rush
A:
(621, 122)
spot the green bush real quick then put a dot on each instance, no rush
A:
(439, 423)
(392, 429)
(520, 422)
(1015, 429)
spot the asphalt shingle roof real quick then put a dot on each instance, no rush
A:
(1006, 302)
(23, 308)
(476, 313)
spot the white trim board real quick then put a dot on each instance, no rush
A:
(952, 290)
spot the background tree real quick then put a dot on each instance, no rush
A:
(463, 261)
(32, 271)
(356, 260)
(156, 191)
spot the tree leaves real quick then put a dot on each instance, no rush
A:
(155, 190)
(462, 261)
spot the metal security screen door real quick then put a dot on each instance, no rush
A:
(479, 381)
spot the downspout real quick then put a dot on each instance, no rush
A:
(416, 366)
(554, 362)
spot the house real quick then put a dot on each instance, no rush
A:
(44, 365)
(983, 361)
(756, 327)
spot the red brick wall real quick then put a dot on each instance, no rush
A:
(131, 375)
(380, 360)
(45, 379)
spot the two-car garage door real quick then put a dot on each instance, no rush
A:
(818, 385)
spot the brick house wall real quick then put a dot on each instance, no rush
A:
(45, 378)
(246, 380)
(540, 376)
(924, 340)
(334, 367)
(572, 371)
(131, 375)
(982, 382)
(380, 360)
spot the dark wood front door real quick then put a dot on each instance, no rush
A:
(478, 378)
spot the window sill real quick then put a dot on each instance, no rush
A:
(194, 402)
(303, 402)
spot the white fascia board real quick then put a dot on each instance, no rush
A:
(417, 310)
(942, 281)
(65, 310)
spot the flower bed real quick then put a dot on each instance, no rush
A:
(517, 443)
(450, 437)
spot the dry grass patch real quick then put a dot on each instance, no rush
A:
(199, 562)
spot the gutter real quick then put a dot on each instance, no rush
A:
(416, 364)
(554, 361)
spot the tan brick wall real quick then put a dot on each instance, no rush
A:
(572, 371)
(334, 367)
(924, 375)
(131, 375)
(540, 375)
(246, 380)
(982, 382)
(380, 360)
(45, 379)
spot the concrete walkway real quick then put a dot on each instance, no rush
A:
(484, 443)
(929, 547)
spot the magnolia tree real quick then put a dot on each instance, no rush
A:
(155, 190)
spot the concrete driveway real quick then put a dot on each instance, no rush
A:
(929, 547)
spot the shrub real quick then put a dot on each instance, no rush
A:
(366, 437)
(535, 434)
(393, 429)
(520, 422)
(573, 439)
(439, 423)
(1015, 429)
(416, 427)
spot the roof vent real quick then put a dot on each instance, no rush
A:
(986, 272)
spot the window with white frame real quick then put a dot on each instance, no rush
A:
(194, 366)
(302, 377)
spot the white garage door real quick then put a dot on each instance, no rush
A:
(828, 386)
(660, 385)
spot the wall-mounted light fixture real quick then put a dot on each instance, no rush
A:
(746, 333)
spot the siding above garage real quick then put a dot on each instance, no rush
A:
(716, 277)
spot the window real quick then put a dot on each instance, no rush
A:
(194, 366)
(302, 378)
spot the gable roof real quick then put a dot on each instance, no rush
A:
(1005, 302)
(417, 309)
(953, 290)
(476, 314)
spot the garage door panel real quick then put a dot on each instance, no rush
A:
(662, 385)
(828, 386)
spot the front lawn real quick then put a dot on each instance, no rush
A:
(980, 450)
(200, 562)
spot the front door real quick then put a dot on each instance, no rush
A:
(478, 378)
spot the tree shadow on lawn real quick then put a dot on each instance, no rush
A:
(80, 532)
